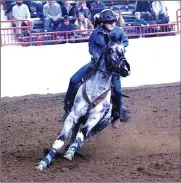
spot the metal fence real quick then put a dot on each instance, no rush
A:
(22, 35)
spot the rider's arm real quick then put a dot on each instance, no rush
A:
(124, 36)
(92, 46)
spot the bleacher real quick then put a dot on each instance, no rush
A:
(127, 9)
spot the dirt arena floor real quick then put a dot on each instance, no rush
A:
(145, 149)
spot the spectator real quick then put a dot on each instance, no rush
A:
(97, 7)
(68, 9)
(77, 5)
(140, 22)
(39, 8)
(61, 3)
(159, 11)
(83, 23)
(21, 12)
(9, 6)
(144, 8)
(52, 13)
(83, 9)
(119, 19)
(66, 26)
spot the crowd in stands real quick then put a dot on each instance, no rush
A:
(81, 15)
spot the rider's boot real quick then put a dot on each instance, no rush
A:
(69, 100)
(119, 112)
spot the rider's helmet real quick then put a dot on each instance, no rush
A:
(107, 16)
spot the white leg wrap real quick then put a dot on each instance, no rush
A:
(58, 145)
(80, 135)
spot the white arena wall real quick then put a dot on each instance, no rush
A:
(47, 69)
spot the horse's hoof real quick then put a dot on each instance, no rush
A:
(39, 167)
(68, 156)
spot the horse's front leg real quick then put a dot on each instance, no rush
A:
(72, 119)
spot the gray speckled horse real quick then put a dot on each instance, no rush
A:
(92, 104)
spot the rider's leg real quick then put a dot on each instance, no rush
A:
(121, 111)
(73, 87)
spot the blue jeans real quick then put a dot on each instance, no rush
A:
(161, 18)
(48, 21)
(83, 73)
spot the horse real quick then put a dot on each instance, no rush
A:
(92, 105)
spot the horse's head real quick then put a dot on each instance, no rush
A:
(115, 58)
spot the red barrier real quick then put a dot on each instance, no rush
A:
(8, 34)
(178, 16)
(11, 35)
(151, 30)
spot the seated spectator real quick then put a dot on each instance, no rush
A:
(83, 23)
(68, 9)
(140, 22)
(77, 5)
(97, 7)
(66, 26)
(8, 7)
(38, 8)
(52, 13)
(61, 3)
(35, 8)
(120, 21)
(83, 9)
(159, 12)
(21, 12)
(144, 8)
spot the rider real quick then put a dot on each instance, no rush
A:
(97, 42)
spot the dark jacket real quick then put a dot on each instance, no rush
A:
(97, 7)
(97, 41)
(139, 22)
(143, 6)
(70, 12)
(63, 27)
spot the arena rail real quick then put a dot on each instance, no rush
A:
(10, 34)
(49, 38)
(178, 16)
